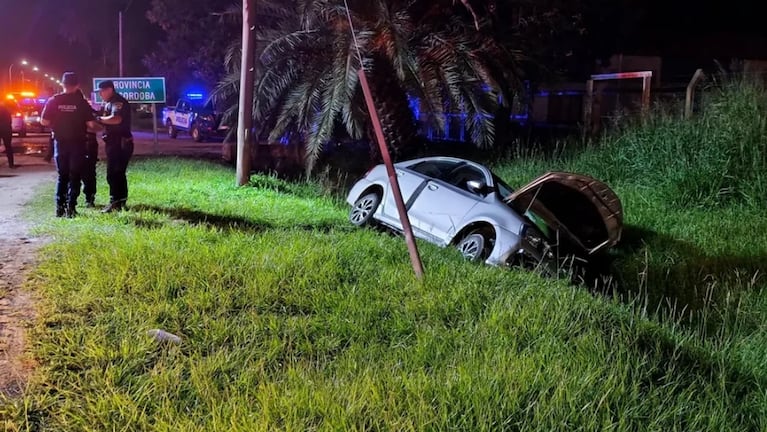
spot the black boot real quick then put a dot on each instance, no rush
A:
(60, 211)
(90, 202)
(114, 206)
(70, 212)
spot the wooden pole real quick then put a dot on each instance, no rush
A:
(247, 81)
(588, 109)
(415, 257)
(646, 87)
(699, 75)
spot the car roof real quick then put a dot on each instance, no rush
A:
(438, 159)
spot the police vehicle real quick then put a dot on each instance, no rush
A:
(192, 116)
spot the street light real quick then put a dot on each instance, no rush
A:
(36, 69)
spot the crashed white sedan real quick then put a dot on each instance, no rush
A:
(456, 202)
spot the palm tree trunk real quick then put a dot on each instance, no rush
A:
(397, 119)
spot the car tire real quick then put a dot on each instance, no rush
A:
(364, 208)
(196, 135)
(475, 246)
(172, 131)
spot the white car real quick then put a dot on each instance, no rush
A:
(456, 202)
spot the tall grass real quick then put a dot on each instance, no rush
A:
(717, 158)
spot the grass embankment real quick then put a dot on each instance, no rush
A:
(291, 320)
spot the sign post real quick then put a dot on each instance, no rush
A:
(154, 129)
(143, 90)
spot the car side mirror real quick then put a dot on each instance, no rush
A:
(476, 186)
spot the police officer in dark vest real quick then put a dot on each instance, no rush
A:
(116, 118)
(69, 116)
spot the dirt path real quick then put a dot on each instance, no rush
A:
(18, 251)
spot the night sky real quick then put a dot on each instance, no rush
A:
(31, 29)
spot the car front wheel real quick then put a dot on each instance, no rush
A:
(474, 247)
(363, 209)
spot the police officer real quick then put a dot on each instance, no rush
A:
(116, 118)
(6, 132)
(89, 168)
(69, 116)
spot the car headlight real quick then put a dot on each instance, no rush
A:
(535, 244)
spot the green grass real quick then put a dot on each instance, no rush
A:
(291, 320)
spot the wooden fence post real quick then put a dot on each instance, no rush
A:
(699, 75)
(588, 109)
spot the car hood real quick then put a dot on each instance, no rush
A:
(585, 210)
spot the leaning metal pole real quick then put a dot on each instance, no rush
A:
(415, 257)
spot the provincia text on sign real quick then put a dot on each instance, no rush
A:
(135, 89)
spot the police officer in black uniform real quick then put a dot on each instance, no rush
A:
(69, 116)
(6, 131)
(116, 118)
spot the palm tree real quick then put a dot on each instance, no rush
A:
(409, 48)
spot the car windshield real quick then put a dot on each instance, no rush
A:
(502, 188)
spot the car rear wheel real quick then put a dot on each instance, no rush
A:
(475, 246)
(363, 209)
(172, 131)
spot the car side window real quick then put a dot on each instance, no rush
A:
(434, 169)
(463, 174)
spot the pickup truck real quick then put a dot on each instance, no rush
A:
(200, 121)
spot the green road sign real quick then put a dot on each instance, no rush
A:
(138, 90)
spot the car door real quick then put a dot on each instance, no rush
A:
(444, 203)
(183, 115)
(413, 179)
(410, 181)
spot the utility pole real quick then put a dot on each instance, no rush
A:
(247, 81)
(120, 34)
(120, 39)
